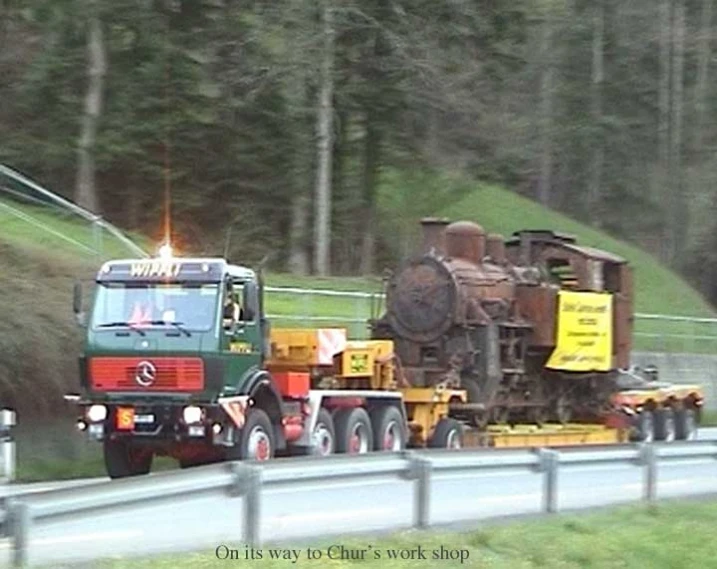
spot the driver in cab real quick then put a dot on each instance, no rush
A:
(232, 309)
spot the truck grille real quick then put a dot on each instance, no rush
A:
(146, 374)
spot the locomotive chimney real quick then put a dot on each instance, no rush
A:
(465, 240)
(433, 235)
(495, 248)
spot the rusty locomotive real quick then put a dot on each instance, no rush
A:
(482, 313)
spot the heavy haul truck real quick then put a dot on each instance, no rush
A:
(180, 361)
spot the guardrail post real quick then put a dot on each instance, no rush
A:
(648, 457)
(252, 503)
(422, 493)
(247, 483)
(419, 470)
(549, 461)
(19, 519)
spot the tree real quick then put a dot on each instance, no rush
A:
(322, 227)
(598, 155)
(86, 192)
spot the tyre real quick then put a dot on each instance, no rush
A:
(256, 440)
(324, 434)
(685, 424)
(354, 434)
(122, 459)
(645, 431)
(389, 429)
(664, 425)
(447, 434)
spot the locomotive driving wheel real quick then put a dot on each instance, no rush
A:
(480, 419)
(501, 415)
(562, 410)
(538, 415)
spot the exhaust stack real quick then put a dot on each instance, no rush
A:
(433, 235)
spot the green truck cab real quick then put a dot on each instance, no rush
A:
(173, 365)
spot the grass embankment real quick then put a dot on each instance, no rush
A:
(630, 537)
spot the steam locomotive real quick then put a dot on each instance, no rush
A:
(534, 327)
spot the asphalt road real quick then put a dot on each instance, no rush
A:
(345, 507)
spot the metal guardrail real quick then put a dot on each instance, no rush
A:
(98, 224)
(656, 331)
(247, 480)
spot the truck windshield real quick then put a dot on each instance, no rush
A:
(193, 306)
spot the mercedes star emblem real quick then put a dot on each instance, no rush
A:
(145, 374)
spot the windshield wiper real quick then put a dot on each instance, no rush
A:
(123, 325)
(177, 325)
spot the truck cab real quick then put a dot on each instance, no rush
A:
(179, 361)
(173, 364)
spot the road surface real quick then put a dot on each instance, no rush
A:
(344, 507)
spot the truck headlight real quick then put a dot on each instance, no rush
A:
(192, 414)
(97, 413)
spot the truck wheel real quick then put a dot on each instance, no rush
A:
(685, 424)
(448, 434)
(354, 434)
(324, 434)
(256, 438)
(645, 427)
(388, 428)
(123, 460)
(665, 425)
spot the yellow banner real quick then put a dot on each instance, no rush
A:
(584, 332)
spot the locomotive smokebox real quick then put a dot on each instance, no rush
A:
(465, 240)
(433, 235)
(495, 248)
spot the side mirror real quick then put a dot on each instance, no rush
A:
(251, 301)
(77, 304)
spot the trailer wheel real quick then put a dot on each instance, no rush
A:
(388, 429)
(354, 434)
(448, 434)
(256, 438)
(685, 424)
(665, 425)
(645, 427)
(122, 459)
(324, 434)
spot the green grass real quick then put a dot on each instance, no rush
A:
(629, 537)
(59, 231)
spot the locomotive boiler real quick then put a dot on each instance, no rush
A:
(533, 328)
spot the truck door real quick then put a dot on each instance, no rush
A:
(240, 326)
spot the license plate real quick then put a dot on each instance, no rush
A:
(143, 419)
(125, 418)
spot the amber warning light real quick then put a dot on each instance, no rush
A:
(165, 251)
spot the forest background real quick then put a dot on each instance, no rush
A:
(291, 121)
